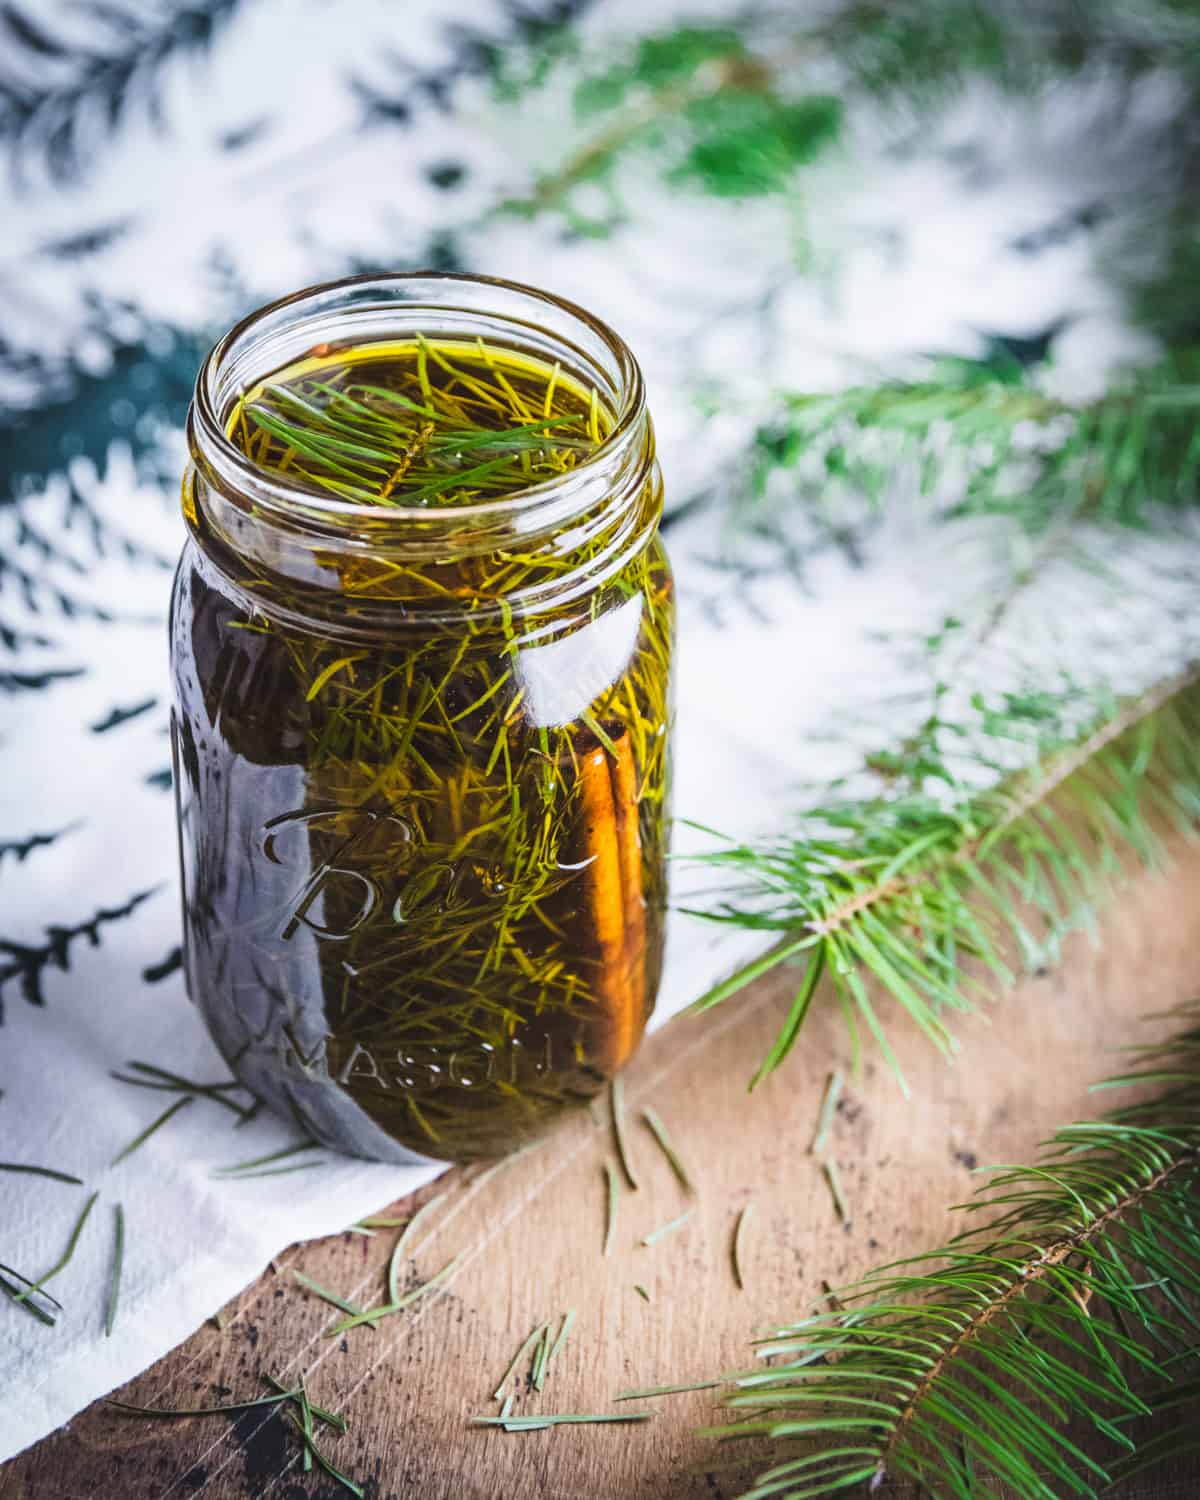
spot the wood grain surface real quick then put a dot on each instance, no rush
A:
(530, 1234)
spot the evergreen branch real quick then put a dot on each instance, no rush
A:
(67, 93)
(1010, 449)
(718, 62)
(1033, 1271)
(717, 114)
(29, 963)
(1061, 1312)
(1031, 791)
(596, 154)
(917, 50)
(900, 888)
(724, 107)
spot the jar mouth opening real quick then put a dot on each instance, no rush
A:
(244, 356)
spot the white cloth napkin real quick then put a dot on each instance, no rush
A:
(766, 662)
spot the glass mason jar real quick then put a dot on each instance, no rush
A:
(422, 750)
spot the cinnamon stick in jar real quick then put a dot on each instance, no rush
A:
(613, 890)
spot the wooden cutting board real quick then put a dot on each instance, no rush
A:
(531, 1234)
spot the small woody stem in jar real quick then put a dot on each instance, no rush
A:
(613, 883)
(629, 848)
(412, 452)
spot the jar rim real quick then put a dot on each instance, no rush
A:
(208, 437)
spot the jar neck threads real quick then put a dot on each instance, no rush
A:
(533, 548)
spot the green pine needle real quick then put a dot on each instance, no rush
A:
(65, 1258)
(16, 1289)
(559, 1419)
(829, 1106)
(282, 1397)
(521, 1353)
(832, 1176)
(616, 1099)
(201, 1411)
(51, 1172)
(239, 1169)
(611, 1203)
(666, 1390)
(397, 1257)
(739, 1231)
(140, 1139)
(540, 1356)
(659, 1132)
(331, 1419)
(304, 1429)
(665, 1229)
(118, 1263)
(371, 1316)
(326, 1295)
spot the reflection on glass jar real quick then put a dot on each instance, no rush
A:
(421, 637)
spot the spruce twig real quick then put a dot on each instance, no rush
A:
(900, 888)
(1116, 459)
(1076, 1296)
(558, 1419)
(527, 1344)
